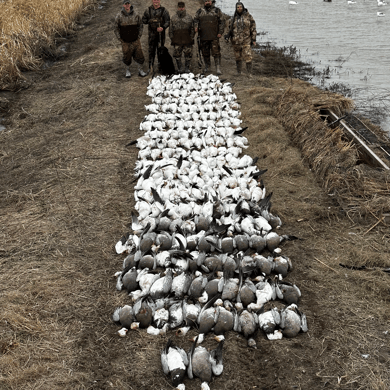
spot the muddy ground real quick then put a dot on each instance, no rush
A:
(66, 195)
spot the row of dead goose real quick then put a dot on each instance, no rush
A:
(158, 251)
(202, 252)
(245, 288)
(227, 306)
(209, 230)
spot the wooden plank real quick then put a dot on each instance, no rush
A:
(365, 149)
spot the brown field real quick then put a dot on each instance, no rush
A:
(66, 196)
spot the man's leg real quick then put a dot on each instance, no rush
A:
(187, 56)
(216, 53)
(249, 69)
(217, 61)
(160, 41)
(247, 56)
(205, 48)
(138, 56)
(177, 52)
(152, 42)
(237, 54)
(126, 51)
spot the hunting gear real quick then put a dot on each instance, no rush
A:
(209, 25)
(128, 29)
(181, 33)
(242, 33)
(157, 18)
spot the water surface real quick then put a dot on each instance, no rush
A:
(349, 39)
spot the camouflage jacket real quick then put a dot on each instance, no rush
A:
(244, 29)
(181, 26)
(124, 19)
(203, 15)
(156, 18)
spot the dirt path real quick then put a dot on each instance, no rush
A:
(66, 195)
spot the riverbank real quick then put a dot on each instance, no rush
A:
(66, 197)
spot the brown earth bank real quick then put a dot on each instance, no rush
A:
(66, 196)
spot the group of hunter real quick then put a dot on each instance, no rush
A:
(208, 23)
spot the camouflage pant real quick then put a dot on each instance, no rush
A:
(132, 50)
(153, 41)
(185, 49)
(210, 46)
(243, 52)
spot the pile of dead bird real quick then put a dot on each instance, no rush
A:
(203, 252)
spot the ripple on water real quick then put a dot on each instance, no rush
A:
(351, 40)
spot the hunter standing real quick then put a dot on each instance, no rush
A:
(128, 29)
(181, 33)
(157, 18)
(209, 25)
(242, 33)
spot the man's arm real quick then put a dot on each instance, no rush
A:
(192, 31)
(221, 23)
(116, 28)
(140, 27)
(253, 30)
(145, 18)
(166, 19)
(196, 20)
(170, 30)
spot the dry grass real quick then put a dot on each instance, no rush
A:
(360, 190)
(28, 29)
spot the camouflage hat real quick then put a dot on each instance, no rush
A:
(180, 4)
(126, 1)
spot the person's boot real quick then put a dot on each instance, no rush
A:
(187, 65)
(127, 70)
(179, 65)
(218, 65)
(239, 67)
(207, 64)
(249, 69)
(141, 72)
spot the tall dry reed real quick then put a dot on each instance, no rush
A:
(29, 28)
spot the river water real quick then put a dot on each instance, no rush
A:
(350, 39)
